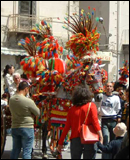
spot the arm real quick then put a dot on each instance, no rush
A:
(118, 109)
(100, 136)
(8, 80)
(106, 148)
(34, 109)
(95, 122)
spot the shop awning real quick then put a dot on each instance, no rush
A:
(13, 52)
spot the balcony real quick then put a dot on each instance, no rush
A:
(16, 27)
(23, 23)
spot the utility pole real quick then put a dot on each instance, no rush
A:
(118, 26)
(68, 19)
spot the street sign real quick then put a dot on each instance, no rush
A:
(105, 56)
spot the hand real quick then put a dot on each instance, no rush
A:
(59, 148)
(101, 140)
(100, 136)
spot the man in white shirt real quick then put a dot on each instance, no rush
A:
(13, 87)
(110, 110)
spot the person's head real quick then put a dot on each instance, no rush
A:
(81, 95)
(109, 88)
(8, 69)
(120, 129)
(121, 94)
(118, 86)
(127, 94)
(24, 76)
(23, 87)
(16, 78)
(4, 96)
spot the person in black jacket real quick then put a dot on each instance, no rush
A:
(124, 150)
(114, 146)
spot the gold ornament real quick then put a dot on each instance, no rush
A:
(67, 104)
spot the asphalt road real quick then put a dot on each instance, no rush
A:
(37, 152)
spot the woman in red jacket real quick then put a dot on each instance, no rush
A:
(81, 98)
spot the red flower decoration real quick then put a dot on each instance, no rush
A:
(88, 7)
(94, 9)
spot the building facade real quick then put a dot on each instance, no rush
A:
(116, 24)
(19, 17)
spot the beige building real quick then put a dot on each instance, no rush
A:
(18, 18)
(115, 17)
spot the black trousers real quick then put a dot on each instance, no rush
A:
(44, 137)
(77, 149)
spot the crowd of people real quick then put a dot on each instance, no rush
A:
(114, 113)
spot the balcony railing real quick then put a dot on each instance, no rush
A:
(23, 23)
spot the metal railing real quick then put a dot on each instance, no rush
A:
(24, 23)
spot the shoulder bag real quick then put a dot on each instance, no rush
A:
(88, 134)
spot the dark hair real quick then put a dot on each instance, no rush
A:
(6, 70)
(24, 76)
(22, 85)
(118, 84)
(4, 95)
(81, 95)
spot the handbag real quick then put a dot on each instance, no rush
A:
(88, 134)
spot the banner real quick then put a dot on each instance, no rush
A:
(105, 56)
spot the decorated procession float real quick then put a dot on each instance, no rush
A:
(121, 83)
(56, 79)
(53, 79)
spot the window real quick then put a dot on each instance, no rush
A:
(27, 9)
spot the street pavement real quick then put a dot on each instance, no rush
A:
(37, 152)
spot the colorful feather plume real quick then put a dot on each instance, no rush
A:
(72, 62)
(49, 48)
(43, 29)
(30, 45)
(85, 35)
(31, 65)
(124, 73)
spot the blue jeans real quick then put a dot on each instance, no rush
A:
(22, 138)
(77, 149)
(107, 128)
